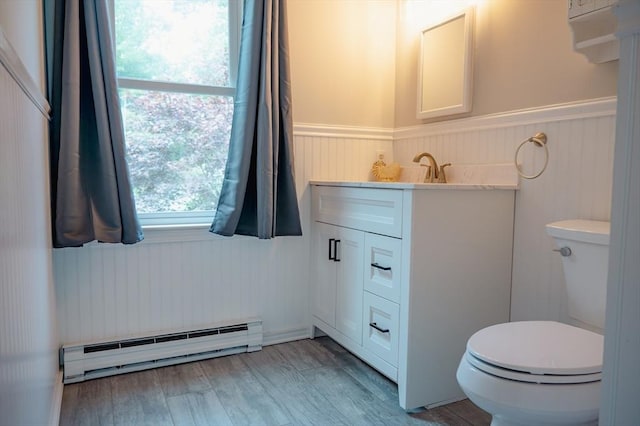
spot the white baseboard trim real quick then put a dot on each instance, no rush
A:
(56, 400)
(274, 338)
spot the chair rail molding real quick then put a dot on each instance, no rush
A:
(590, 108)
(14, 66)
(351, 132)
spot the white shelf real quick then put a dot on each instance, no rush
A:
(608, 38)
(594, 33)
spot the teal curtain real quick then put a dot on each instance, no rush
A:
(91, 195)
(258, 195)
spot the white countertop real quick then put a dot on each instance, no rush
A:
(459, 176)
(407, 185)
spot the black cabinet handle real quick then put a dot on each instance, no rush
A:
(333, 249)
(384, 268)
(381, 330)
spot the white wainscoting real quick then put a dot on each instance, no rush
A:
(576, 184)
(185, 279)
(30, 386)
(338, 153)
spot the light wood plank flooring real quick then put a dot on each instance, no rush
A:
(307, 382)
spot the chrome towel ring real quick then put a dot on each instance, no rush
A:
(539, 139)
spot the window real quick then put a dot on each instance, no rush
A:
(176, 62)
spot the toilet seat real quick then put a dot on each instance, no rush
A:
(537, 352)
(543, 379)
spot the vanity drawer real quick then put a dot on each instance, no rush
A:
(380, 328)
(382, 259)
(368, 209)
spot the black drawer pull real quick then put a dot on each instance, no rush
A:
(381, 330)
(384, 268)
(332, 245)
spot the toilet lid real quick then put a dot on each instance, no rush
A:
(539, 347)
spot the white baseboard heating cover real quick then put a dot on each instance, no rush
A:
(91, 361)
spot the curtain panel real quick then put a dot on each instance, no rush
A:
(91, 195)
(258, 195)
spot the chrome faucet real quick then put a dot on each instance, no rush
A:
(433, 173)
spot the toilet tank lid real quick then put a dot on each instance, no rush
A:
(589, 231)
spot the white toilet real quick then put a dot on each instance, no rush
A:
(546, 372)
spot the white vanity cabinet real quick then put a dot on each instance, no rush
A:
(404, 274)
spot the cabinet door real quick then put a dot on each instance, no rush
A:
(349, 286)
(324, 273)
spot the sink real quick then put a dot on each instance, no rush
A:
(412, 174)
(466, 174)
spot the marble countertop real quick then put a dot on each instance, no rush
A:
(459, 177)
(408, 185)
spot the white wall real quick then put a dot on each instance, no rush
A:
(621, 373)
(321, 42)
(112, 291)
(181, 280)
(123, 303)
(22, 23)
(576, 184)
(523, 58)
(343, 61)
(107, 291)
(30, 384)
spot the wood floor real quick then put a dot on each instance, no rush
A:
(307, 382)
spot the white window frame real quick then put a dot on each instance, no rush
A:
(168, 219)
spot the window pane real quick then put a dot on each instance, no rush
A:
(182, 41)
(177, 148)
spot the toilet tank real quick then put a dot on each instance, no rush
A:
(585, 269)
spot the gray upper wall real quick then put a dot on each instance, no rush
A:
(355, 62)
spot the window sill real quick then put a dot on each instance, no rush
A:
(159, 234)
(154, 234)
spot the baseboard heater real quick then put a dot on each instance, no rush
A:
(91, 361)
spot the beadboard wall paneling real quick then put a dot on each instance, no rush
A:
(30, 387)
(337, 158)
(576, 184)
(105, 291)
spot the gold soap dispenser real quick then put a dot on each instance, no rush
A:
(383, 173)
